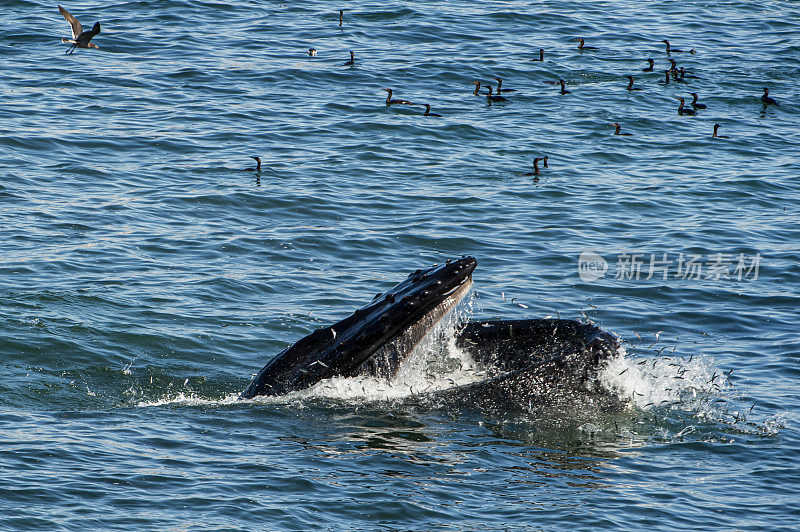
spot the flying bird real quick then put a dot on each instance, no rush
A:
(80, 38)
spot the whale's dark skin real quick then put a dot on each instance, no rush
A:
(526, 361)
(536, 362)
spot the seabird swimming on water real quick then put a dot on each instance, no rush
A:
(541, 55)
(500, 83)
(696, 105)
(649, 68)
(535, 172)
(80, 38)
(563, 88)
(389, 100)
(673, 68)
(341, 16)
(630, 84)
(617, 128)
(682, 111)
(257, 169)
(312, 52)
(477, 87)
(582, 46)
(766, 99)
(716, 127)
(428, 111)
(352, 59)
(670, 49)
(493, 97)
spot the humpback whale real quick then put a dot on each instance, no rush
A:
(539, 361)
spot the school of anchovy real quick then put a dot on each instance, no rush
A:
(674, 74)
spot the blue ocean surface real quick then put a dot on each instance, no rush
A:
(145, 277)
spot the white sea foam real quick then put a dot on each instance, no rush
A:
(189, 399)
(665, 380)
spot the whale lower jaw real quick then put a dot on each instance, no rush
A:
(393, 324)
(387, 360)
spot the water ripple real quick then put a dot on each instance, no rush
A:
(144, 276)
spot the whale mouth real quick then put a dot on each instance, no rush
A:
(386, 361)
(391, 326)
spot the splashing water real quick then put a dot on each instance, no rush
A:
(682, 385)
(190, 399)
(683, 398)
(692, 383)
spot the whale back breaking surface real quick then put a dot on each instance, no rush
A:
(536, 362)
(392, 324)
(511, 345)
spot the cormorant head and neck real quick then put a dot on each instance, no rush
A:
(428, 111)
(257, 169)
(683, 111)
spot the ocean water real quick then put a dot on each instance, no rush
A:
(144, 277)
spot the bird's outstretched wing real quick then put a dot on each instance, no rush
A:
(77, 29)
